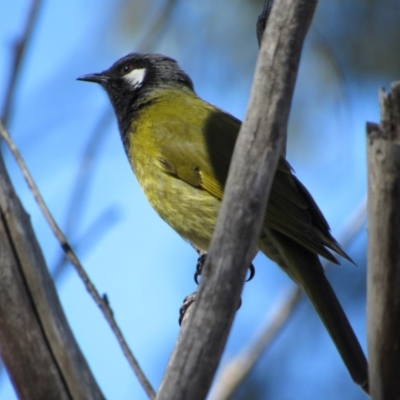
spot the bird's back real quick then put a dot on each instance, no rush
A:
(181, 148)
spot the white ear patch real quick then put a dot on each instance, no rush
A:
(135, 77)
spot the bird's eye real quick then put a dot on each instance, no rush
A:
(126, 69)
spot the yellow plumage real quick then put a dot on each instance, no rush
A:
(180, 148)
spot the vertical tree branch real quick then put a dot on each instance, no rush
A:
(256, 155)
(383, 145)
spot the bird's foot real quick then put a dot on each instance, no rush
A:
(190, 299)
(201, 262)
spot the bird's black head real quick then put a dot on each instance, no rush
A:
(131, 81)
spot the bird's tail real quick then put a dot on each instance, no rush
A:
(305, 268)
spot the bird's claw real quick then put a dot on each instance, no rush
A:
(200, 264)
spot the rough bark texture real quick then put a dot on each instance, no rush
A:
(384, 248)
(36, 343)
(197, 354)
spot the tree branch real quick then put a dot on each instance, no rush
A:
(36, 343)
(234, 243)
(383, 304)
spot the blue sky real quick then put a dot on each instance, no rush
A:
(145, 268)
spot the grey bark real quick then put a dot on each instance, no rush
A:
(37, 346)
(197, 354)
(383, 301)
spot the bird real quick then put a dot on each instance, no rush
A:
(180, 147)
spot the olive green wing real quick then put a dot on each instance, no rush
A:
(203, 159)
(293, 211)
(202, 156)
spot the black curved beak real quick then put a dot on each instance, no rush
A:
(96, 78)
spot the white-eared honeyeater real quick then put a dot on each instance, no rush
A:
(180, 148)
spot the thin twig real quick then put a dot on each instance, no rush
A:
(78, 266)
(20, 47)
(235, 372)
